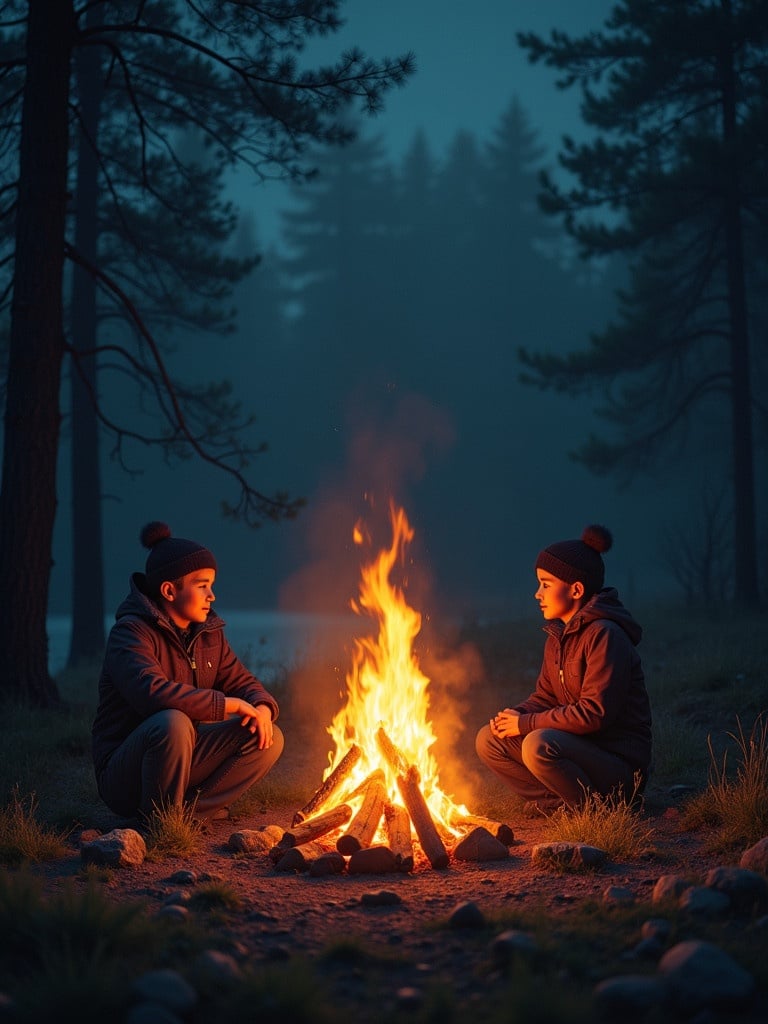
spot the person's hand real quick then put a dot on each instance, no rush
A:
(256, 719)
(505, 723)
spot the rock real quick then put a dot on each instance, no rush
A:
(698, 899)
(374, 860)
(628, 996)
(183, 877)
(571, 855)
(511, 945)
(700, 975)
(409, 998)
(167, 987)
(173, 912)
(748, 891)
(618, 896)
(656, 928)
(382, 898)
(216, 966)
(467, 915)
(480, 845)
(756, 857)
(255, 841)
(669, 887)
(120, 848)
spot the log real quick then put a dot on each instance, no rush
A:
(318, 826)
(497, 829)
(331, 784)
(297, 858)
(398, 827)
(394, 757)
(413, 798)
(363, 826)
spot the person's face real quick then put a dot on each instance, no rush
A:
(192, 599)
(557, 599)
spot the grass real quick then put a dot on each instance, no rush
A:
(611, 823)
(735, 801)
(76, 951)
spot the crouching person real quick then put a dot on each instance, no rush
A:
(586, 728)
(180, 720)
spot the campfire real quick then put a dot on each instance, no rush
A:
(380, 800)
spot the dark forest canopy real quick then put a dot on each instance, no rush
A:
(675, 178)
(226, 70)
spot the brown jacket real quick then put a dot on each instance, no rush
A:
(591, 681)
(147, 668)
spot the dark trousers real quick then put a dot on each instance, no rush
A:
(170, 760)
(550, 765)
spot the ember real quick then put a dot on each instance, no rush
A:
(382, 784)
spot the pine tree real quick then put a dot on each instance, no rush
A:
(675, 178)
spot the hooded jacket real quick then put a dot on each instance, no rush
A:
(148, 667)
(591, 681)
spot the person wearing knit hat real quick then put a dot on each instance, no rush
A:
(180, 720)
(586, 728)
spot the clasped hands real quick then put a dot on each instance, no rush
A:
(256, 718)
(505, 723)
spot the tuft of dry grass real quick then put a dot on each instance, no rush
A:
(611, 823)
(22, 838)
(735, 804)
(173, 830)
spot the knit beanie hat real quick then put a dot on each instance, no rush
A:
(169, 557)
(578, 560)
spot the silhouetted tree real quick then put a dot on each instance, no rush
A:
(222, 52)
(675, 177)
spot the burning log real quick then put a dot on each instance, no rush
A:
(392, 755)
(363, 826)
(497, 829)
(408, 783)
(331, 784)
(315, 827)
(398, 826)
(413, 798)
(297, 858)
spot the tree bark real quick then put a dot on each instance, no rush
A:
(87, 638)
(746, 591)
(32, 416)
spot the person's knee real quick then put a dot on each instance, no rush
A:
(278, 742)
(538, 745)
(483, 740)
(173, 727)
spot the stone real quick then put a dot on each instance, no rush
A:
(669, 887)
(747, 890)
(628, 996)
(167, 987)
(698, 899)
(467, 915)
(120, 848)
(511, 945)
(701, 975)
(216, 966)
(480, 845)
(255, 841)
(569, 855)
(382, 898)
(756, 857)
(618, 896)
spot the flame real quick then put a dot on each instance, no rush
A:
(385, 686)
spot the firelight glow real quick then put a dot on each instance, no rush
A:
(385, 686)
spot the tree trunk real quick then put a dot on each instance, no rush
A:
(746, 590)
(32, 417)
(87, 639)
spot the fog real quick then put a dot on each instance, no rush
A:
(385, 393)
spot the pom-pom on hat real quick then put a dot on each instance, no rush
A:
(579, 560)
(169, 557)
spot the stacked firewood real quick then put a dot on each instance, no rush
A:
(302, 848)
